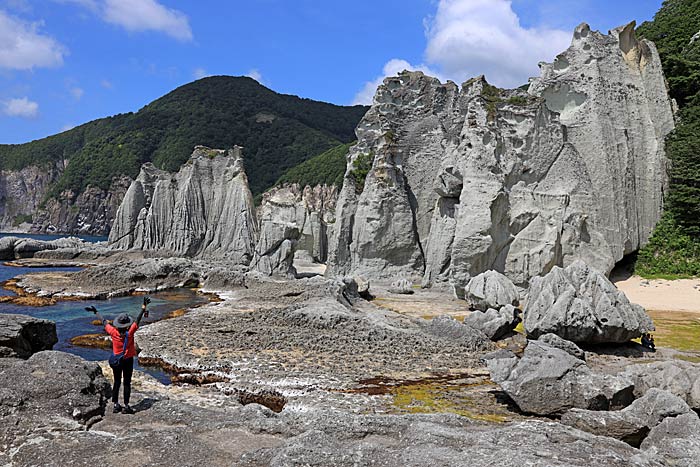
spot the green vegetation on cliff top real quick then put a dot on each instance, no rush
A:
(674, 248)
(327, 168)
(277, 132)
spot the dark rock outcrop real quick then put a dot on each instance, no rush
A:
(580, 304)
(21, 336)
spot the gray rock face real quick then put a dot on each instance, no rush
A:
(18, 248)
(494, 323)
(677, 377)
(580, 304)
(447, 327)
(632, 423)
(92, 212)
(24, 207)
(569, 347)
(675, 441)
(292, 221)
(549, 381)
(469, 179)
(22, 192)
(421, 441)
(204, 210)
(21, 336)
(52, 390)
(490, 289)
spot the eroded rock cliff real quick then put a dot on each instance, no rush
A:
(466, 179)
(294, 220)
(204, 210)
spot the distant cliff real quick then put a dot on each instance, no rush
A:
(447, 181)
(81, 175)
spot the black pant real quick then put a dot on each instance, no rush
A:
(126, 368)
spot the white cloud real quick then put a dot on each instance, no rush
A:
(77, 93)
(107, 84)
(147, 15)
(468, 38)
(23, 47)
(472, 37)
(391, 68)
(200, 73)
(21, 107)
(255, 74)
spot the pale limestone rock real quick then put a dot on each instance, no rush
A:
(632, 423)
(581, 305)
(293, 221)
(204, 210)
(468, 179)
(494, 323)
(549, 381)
(490, 289)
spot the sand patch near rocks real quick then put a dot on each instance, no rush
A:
(659, 294)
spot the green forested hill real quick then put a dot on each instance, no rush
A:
(277, 131)
(674, 249)
(326, 168)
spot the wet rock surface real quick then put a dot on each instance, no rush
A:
(21, 336)
(115, 278)
(580, 304)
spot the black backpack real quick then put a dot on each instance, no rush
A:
(115, 360)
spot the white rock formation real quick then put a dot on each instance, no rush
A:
(464, 180)
(204, 210)
(294, 220)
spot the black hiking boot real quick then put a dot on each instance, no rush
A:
(117, 408)
(128, 409)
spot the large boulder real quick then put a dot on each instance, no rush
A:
(490, 289)
(55, 391)
(449, 181)
(675, 376)
(549, 381)
(21, 336)
(675, 441)
(494, 323)
(580, 304)
(567, 346)
(632, 423)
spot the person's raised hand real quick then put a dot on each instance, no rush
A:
(91, 309)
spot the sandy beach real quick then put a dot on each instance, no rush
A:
(662, 295)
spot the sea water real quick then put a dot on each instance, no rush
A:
(72, 320)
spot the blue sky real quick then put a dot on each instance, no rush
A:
(66, 62)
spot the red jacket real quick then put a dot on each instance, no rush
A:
(118, 341)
